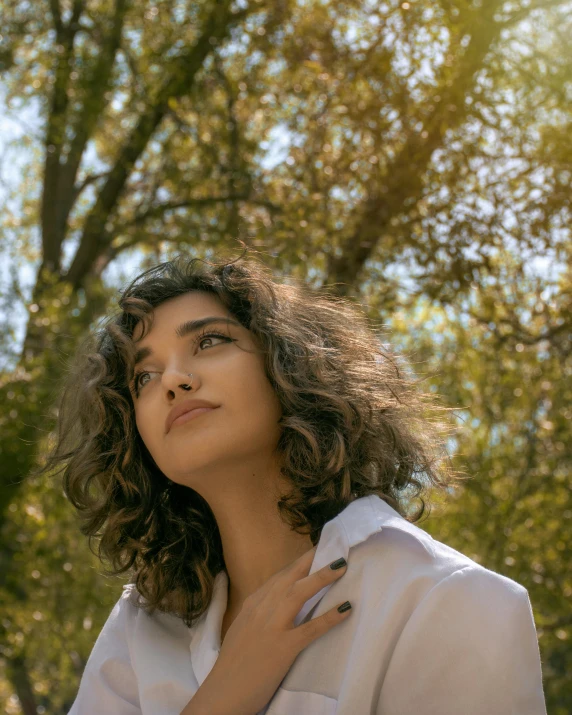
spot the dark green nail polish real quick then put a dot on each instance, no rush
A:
(338, 564)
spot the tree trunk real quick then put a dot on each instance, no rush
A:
(18, 676)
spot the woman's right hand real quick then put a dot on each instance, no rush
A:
(262, 643)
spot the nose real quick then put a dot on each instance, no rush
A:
(175, 381)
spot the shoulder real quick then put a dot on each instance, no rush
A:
(407, 559)
(149, 624)
(125, 617)
(467, 632)
(119, 625)
(423, 594)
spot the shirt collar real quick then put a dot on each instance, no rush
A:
(359, 520)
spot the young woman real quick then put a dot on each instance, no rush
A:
(247, 452)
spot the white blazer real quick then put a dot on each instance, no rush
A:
(431, 632)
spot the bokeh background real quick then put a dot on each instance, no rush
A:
(413, 156)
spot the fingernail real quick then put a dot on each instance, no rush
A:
(338, 564)
(344, 607)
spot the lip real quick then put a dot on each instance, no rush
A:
(185, 407)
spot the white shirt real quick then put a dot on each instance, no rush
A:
(431, 632)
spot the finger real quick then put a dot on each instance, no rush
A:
(294, 594)
(312, 630)
(306, 587)
(300, 566)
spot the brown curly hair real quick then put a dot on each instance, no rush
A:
(353, 424)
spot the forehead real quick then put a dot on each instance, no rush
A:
(189, 306)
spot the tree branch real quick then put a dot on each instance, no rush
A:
(57, 17)
(110, 252)
(87, 119)
(160, 209)
(50, 209)
(404, 177)
(236, 164)
(78, 188)
(178, 83)
(76, 12)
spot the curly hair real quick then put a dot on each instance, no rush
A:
(353, 424)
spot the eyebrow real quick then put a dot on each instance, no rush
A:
(191, 326)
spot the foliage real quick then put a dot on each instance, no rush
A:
(60, 599)
(514, 515)
(422, 157)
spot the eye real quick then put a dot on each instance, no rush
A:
(137, 381)
(199, 340)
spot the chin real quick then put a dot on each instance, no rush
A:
(193, 469)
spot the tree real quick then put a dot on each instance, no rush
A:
(424, 141)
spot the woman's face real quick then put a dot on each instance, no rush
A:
(227, 371)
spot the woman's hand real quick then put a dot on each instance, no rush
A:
(262, 643)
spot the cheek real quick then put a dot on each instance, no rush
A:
(260, 404)
(145, 430)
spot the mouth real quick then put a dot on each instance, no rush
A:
(191, 415)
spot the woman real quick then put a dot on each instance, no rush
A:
(229, 438)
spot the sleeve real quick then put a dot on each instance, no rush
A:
(470, 646)
(108, 684)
